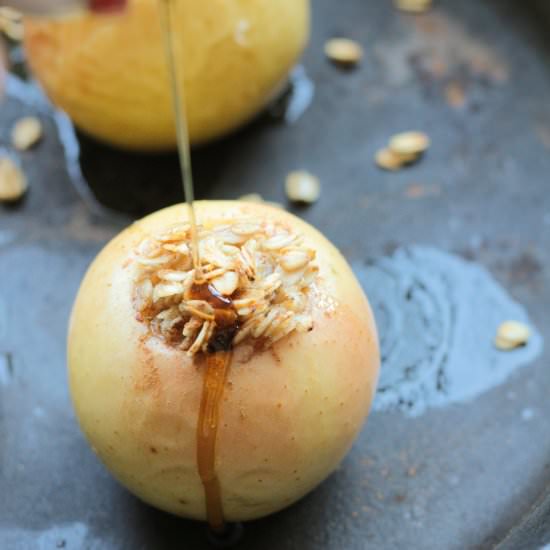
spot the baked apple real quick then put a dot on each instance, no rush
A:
(109, 72)
(231, 390)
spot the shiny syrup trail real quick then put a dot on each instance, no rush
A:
(218, 358)
(175, 77)
(217, 367)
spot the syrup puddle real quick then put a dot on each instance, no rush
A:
(437, 315)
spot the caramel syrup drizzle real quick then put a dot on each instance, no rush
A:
(217, 368)
(218, 361)
(182, 129)
(218, 358)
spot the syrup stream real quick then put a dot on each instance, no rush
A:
(218, 359)
(182, 131)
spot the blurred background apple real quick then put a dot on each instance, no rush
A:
(109, 73)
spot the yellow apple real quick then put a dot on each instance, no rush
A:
(109, 72)
(289, 413)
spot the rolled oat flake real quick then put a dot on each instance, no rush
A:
(409, 143)
(26, 132)
(13, 183)
(511, 334)
(388, 160)
(344, 51)
(301, 186)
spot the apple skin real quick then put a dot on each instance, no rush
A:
(109, 72)
(288, 415)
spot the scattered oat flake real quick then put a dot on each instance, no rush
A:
(511, 334)
(344, 51)
(13, 183)
(11, 24)
(301, 186)
(409, 143)
(413, 6)
(26, 133)
(404, 148)
(388, 160)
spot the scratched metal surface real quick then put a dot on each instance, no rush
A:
(476, 76)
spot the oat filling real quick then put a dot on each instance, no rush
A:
(255, 281)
